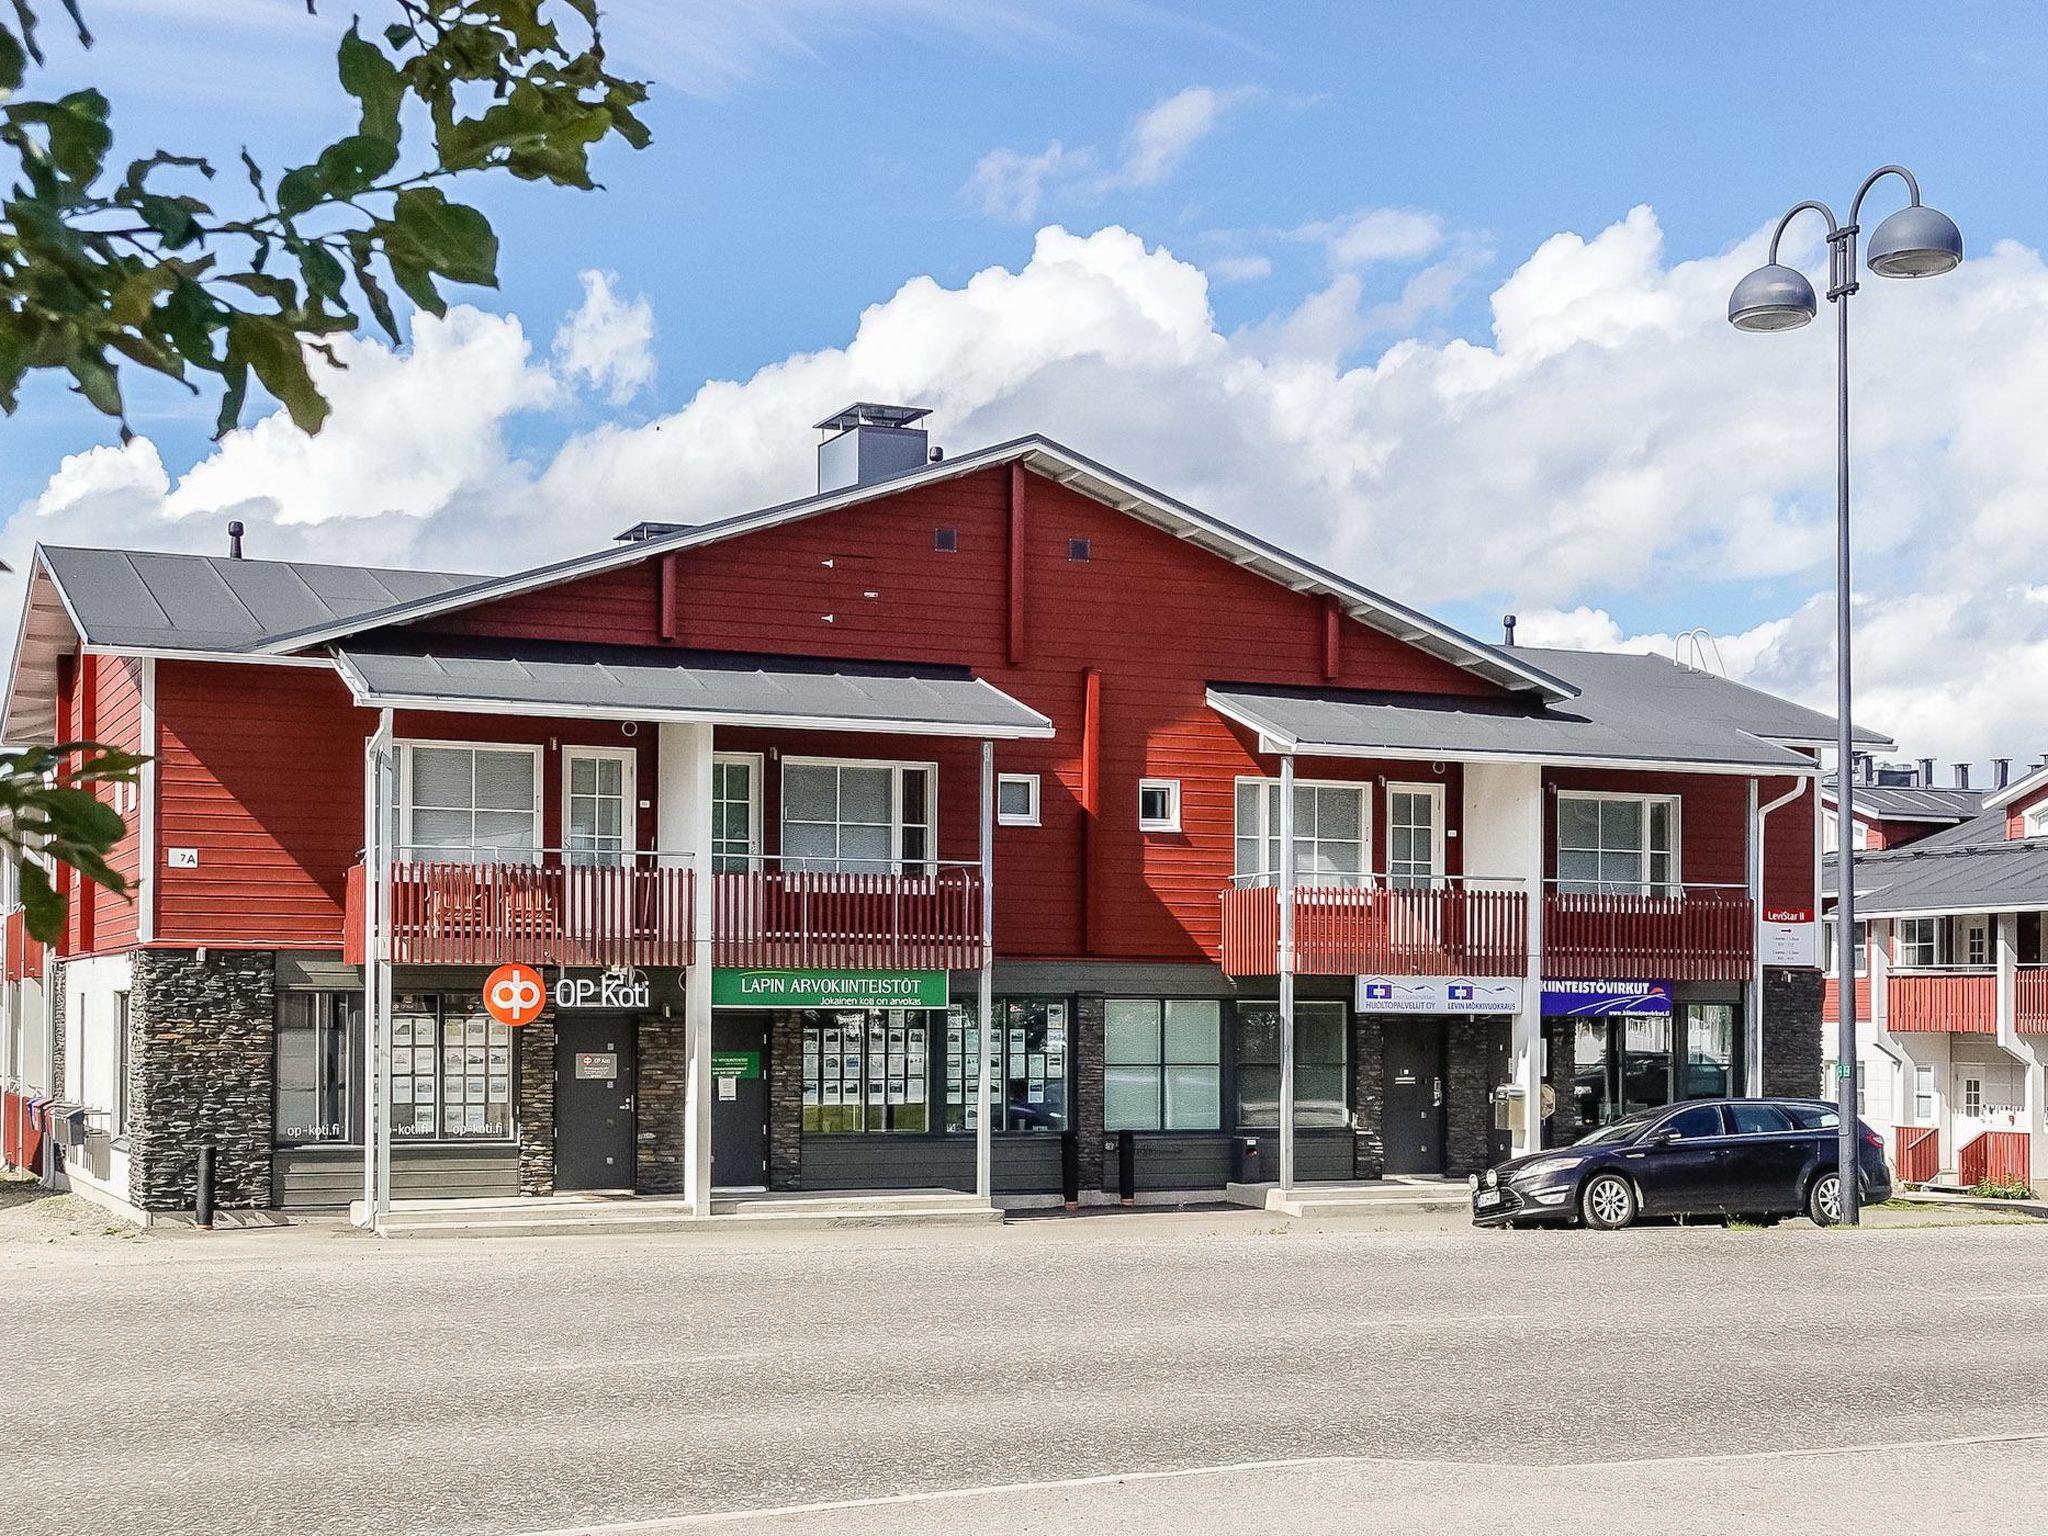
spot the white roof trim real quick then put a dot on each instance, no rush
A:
(2017, 789)
(1058, 463)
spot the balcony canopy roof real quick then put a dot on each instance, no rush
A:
(1631, 712)
(655, 684)
(1974, 867)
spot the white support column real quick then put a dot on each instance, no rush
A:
(2022, 1048)
(1284, 963)
(683, 826)
(1753, 993)
(379, 818)
(1503, 840)
(985, 1002)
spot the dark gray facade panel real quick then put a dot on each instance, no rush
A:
(1319, 1154)
(1020, 1165)
(328, 1178)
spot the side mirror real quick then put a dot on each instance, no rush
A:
(1660, 1138)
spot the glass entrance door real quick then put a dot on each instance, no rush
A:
(1620, 1065)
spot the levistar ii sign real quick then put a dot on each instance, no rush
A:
(827, 989)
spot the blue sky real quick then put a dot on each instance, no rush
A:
(812, 157)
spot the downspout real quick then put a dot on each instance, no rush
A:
(1753, 1021)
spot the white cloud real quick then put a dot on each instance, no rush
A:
(1012, 184)
(1613, 435)
(1374, 235)
(607, 341)
(1239, 269)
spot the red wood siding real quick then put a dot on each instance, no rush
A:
(2016, 811)
(1158, 617)
(1713, 811)
(119, 709)
(262, 773)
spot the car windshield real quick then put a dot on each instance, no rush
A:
(1626, 1129)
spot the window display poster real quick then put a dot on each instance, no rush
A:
(914, 1093)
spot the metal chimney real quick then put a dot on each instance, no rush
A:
(234, 541)
(1962, 775)
(869, 443)
(2001, 772)
(1507, 625)
(1927, 773)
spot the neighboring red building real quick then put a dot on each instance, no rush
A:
(729, 789)
(1899, 803)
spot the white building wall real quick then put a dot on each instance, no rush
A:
(1503, 840)
(92, 1072)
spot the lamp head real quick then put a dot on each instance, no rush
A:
(1917, 241)
(1772, 298)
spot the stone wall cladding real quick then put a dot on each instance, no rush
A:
(1468, 1094)
(1369, 1096)
(661, 1090)
(537, 1107)
(1793, 1044)
(1090, 1014)
(53, 986)
(786, 1100)
(202, 1069)
(1562, 1127)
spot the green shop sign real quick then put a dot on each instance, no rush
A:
(827, 989)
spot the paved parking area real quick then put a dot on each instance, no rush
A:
(1407, 1376)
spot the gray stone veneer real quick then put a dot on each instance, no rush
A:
(1090, 1015)
(1793, 1047)
(786, 1100)
(202, 1071)
(1468, 1093)
(661, 1089)
(1369, 1096)
(1562, 1127)
(537, 1106)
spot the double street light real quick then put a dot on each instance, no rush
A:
(1917, 241)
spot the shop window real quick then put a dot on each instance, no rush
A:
(1163, 1065)
(1030, 1088)
(1322, 1095)
(735, 812)
(319, 1049)
(862, 818)
(471, 803)
(1617, 844)
(451, 1069)
(1712, 1056)
(1331, 832)
(1017, 799)
(865, 1070)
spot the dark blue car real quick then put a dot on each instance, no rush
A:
(1746, 1159)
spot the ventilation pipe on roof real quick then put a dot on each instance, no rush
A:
(1962, 775)
(871, 442)
(1507, 626)
(1927, 773)
(234, 541)
(2001, 772)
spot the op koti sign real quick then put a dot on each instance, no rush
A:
(763, 988)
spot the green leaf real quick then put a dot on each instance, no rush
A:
(349, 165)
(373, 80)
(96, 381)
(444, 237)
(78, 132)
(42, 909)
(272, 350)
(13, 61)
(235, 369)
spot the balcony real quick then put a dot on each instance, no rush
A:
(1455, 928)
(2030, 1000)
(1687, 933)
(789, 914)
(478, 910)
(1955, 1001)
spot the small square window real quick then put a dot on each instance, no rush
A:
(1080, 550)
(1017, 799)
(1159, 805)
(946, 540)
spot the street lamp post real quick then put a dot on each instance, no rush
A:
(1916, 241)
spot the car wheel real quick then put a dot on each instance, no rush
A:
(1609, 1202)
(1824, 1200)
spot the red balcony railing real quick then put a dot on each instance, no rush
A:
(2030, 999)
(1918, 1155)
(1996, 1157)
(482, 912)
(1830, 997)
(787, 914)
(23, 956)
(1958, 1002)
(1695, 933)
(1453, 929)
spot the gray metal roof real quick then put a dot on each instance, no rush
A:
(154, 601)
(1913, 802)
(1970, 868)
(642, 683)
(1630, 709)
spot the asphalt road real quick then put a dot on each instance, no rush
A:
(1145, 1372)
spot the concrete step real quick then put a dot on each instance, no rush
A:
(1363, 1198)
(907, 1202)
(564, 1215)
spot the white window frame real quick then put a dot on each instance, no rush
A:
(1267, 834)
(1027, 818)
(1969, 1085)
(1923, 1093)
(1972, 934)
(1911, 948)
(1170, 822)
(756, 765)
(1435, 793)
(629, 829)
(1831, 935)
(1672, 886)
(407, 852)
(897, 766)
(2034, 820)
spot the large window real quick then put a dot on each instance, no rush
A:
(473, 802)
(451, 1069)
(1030, 1088)
(1920, 943)
(865, 1070)
(1163, 1065)
(735, 812)
(1321, 1096)
(1617, 844)
(319, 1046)
(871, 818)
(1331, 832)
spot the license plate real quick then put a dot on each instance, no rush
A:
(1487, 1199)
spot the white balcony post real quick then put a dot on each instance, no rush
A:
(1284, 963)
(984, 1123)
(683, 822)
(2033, 1113)
(378, 815)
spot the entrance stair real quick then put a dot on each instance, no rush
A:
(1360, 1197)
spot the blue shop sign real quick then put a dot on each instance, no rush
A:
(1606, 998)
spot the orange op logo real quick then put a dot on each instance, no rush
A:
(514, 994)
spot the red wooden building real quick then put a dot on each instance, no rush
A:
(781, 807)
